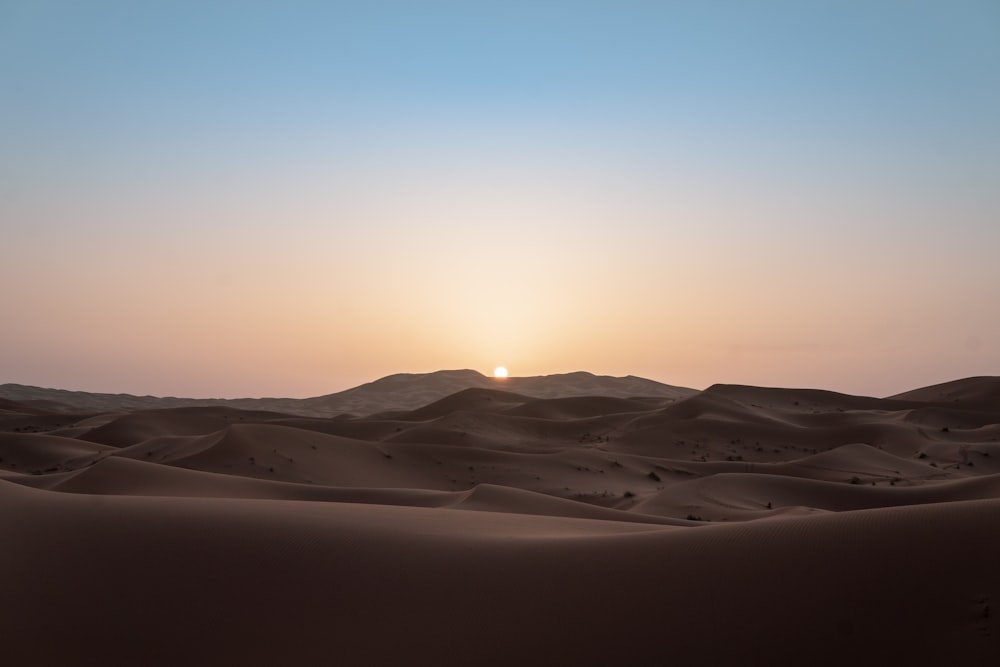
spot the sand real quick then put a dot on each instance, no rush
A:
(733, 526)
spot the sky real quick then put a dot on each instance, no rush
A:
(290, 198)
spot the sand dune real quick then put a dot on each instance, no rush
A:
(483, 400)
(739, 525)
(968, 392)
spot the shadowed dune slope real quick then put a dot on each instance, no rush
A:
(261, 582)
(484, 400)
(578, 407)
(975, 392)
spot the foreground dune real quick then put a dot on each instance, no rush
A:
(737, 526)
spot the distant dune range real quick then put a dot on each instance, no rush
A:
(404, 391)
(455, 519)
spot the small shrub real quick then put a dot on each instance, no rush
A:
(653, 476)
(694, 517)
(855, 480)
(922, 455)
(629, 494)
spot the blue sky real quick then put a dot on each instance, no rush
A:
(761, 192)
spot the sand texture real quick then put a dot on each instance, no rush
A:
(505, 523)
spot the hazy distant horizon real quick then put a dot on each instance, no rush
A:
(206, 199)
(500, 385)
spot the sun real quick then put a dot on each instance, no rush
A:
(499, 372)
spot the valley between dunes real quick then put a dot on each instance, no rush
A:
(498, 523)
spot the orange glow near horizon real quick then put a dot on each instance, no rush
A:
(662, 191)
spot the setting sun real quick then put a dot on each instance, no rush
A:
(499, 372)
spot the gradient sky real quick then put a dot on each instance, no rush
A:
(292, 198)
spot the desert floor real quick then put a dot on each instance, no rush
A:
(734, 526)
